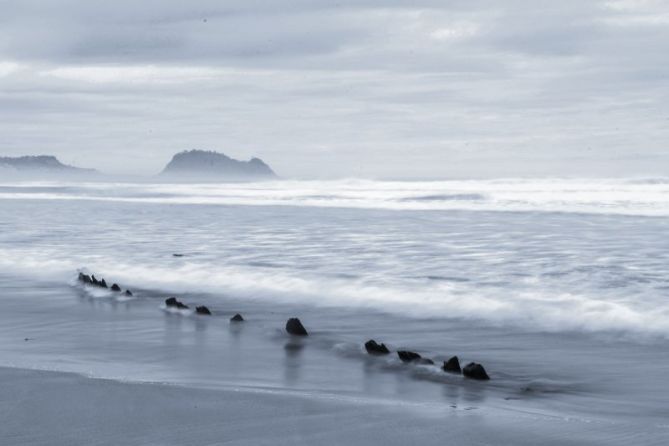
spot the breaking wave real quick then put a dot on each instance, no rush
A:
(649, 197)
(559, 267)
(530, 309)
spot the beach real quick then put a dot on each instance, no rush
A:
(203, 382)
(50, 408)
(334, 223)
(565, 310)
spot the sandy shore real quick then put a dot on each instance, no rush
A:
(146, 376)
(53, 408)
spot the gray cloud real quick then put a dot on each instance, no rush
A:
(372, 88)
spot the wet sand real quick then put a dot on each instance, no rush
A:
(52, 408)
(144, 375)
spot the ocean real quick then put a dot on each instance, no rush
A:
(559, 287)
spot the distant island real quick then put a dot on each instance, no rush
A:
(41, 165)
(210, 165)
(187, 166)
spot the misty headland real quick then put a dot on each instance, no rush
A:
(185, 166)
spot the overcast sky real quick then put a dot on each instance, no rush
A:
(367, 88)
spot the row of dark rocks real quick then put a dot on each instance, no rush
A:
(294, 327)
(93, 281)
(471, 370)
(173, 302)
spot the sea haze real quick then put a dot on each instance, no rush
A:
(558, 286)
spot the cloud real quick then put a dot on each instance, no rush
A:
(321, 88)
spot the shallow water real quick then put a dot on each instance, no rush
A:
(568, 311)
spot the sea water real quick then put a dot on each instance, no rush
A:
(559, 287)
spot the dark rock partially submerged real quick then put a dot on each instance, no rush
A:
(203, 310)
(475, 371)
(172, 302)
(452, 365)
(295, 327)
(413, 357)
(407, 356)
(374, 348)
(92, 280)
(237, 318)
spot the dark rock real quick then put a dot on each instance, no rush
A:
(237, 318)
(85, 278)
(102, 283)
(475, 371)
(174, 303)
(115, 287)
(295, 327)
(94, 281)
(407, 356)
(373, 348)
(452, 365)
(203, 310)
(177, 255)
(128, 293)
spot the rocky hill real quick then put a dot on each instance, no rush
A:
(41, 165)
(209, 165)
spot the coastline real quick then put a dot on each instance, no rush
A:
(566, 323)
(150, 376)
(55, 408)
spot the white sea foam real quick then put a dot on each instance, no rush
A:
(538, 270)
(625, 197)
(536, 309)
